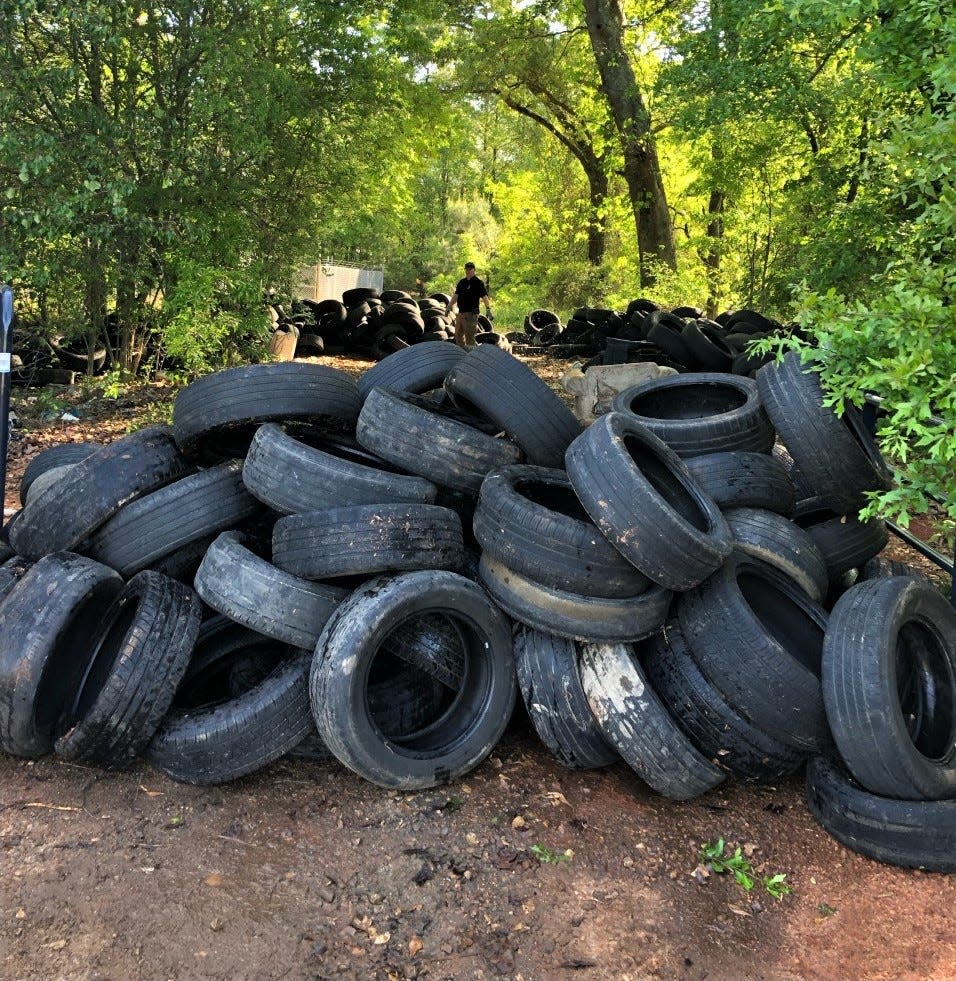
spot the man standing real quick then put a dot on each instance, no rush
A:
(467, 294)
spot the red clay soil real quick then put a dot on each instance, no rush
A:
(523, 870)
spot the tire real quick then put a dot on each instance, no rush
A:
(217, 416)
(197, 507)
(636, 723)
(248, 589)
(883, 568)
(410, 433)
(758, 638)
(529, 519)
(136, 661)
(835, 455)
(571, 615)
(844, 541)
(707, 346)
(416, 369)
(309, 346)
(95, 489)
(889, 683)
(738, 479)
(217, 743)
(46, 479)
(777, 541)
(46, 622)
(466, 731)
(51, 458)
(511, 394)
(359, 294)
(722, 734)
(700, 413)
(909, 834)
(646, 503)
(11, 571)
(664, 330)
(550, 685)
(368, 539)
(293, 477)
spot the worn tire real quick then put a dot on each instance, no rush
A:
(910, 834)
(636, 723)
(529, 519)
(571, 615)
(550, 685)
(52, 458)
(508, 391)
(646, 503)
(468, 729)
(95, 489)
(844, 541)
(739, 479)
(137, 659)
(415, 369)
(293, 477)
(889, 684)
(47, 622)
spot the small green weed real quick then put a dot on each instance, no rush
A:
(825, 909)
(547, 856)
(714, 856)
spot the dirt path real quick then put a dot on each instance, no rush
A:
(305, 871)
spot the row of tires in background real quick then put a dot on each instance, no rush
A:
(659, 587)
(682, 338)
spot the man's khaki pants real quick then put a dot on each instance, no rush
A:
(466, 326)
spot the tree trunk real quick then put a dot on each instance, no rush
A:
(715, 234)
(642, 173)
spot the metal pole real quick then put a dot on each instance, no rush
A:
(6, 343)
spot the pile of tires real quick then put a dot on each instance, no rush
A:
(373, 571)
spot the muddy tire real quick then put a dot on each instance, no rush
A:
(137, 659)
(293, 477)
(367, 539)
(738, 479)
(550, 685)
(52, 458)
(909, 834)
(509, 392)
(571, 615)
(463, 733)
(646, 503)
(889, 683)
(217, 416)
(636, 723)
(415, 369)
(47, 622)
(249, 590)
(529, 519)
(95, 489)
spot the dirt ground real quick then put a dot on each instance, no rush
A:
(522, 870)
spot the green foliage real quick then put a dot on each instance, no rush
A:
(547, 856)
(714, 856)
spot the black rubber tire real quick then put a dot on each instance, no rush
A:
(509, 392)
(293, 477)
(47, 479)
(51, 458)
(646, 503)
(465, 733)
(759, 639)
(738, 479)
(844, 541)
(550, 685)
(882, 568)
(707, 346)
(135, 663)
(359, 294)
(836, 456)
(46, 623)
(909, 834)
(248, 589)
(218, 415)
(367, 539)
(218, 743)
(96, 488)
(700, 412)
(416, 369)
(565, 614)
(11, 571)
(415, 434)
(197, 507)
(716, 729)
(664, 331)
(635, 721)
(529, 519)
(309, 346)
(889, 683)
(779, 542)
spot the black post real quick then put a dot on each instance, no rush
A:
(952, 590)
(6, 345)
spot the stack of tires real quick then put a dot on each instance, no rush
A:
(372, 571)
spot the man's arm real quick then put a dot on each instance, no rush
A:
(451, 303)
